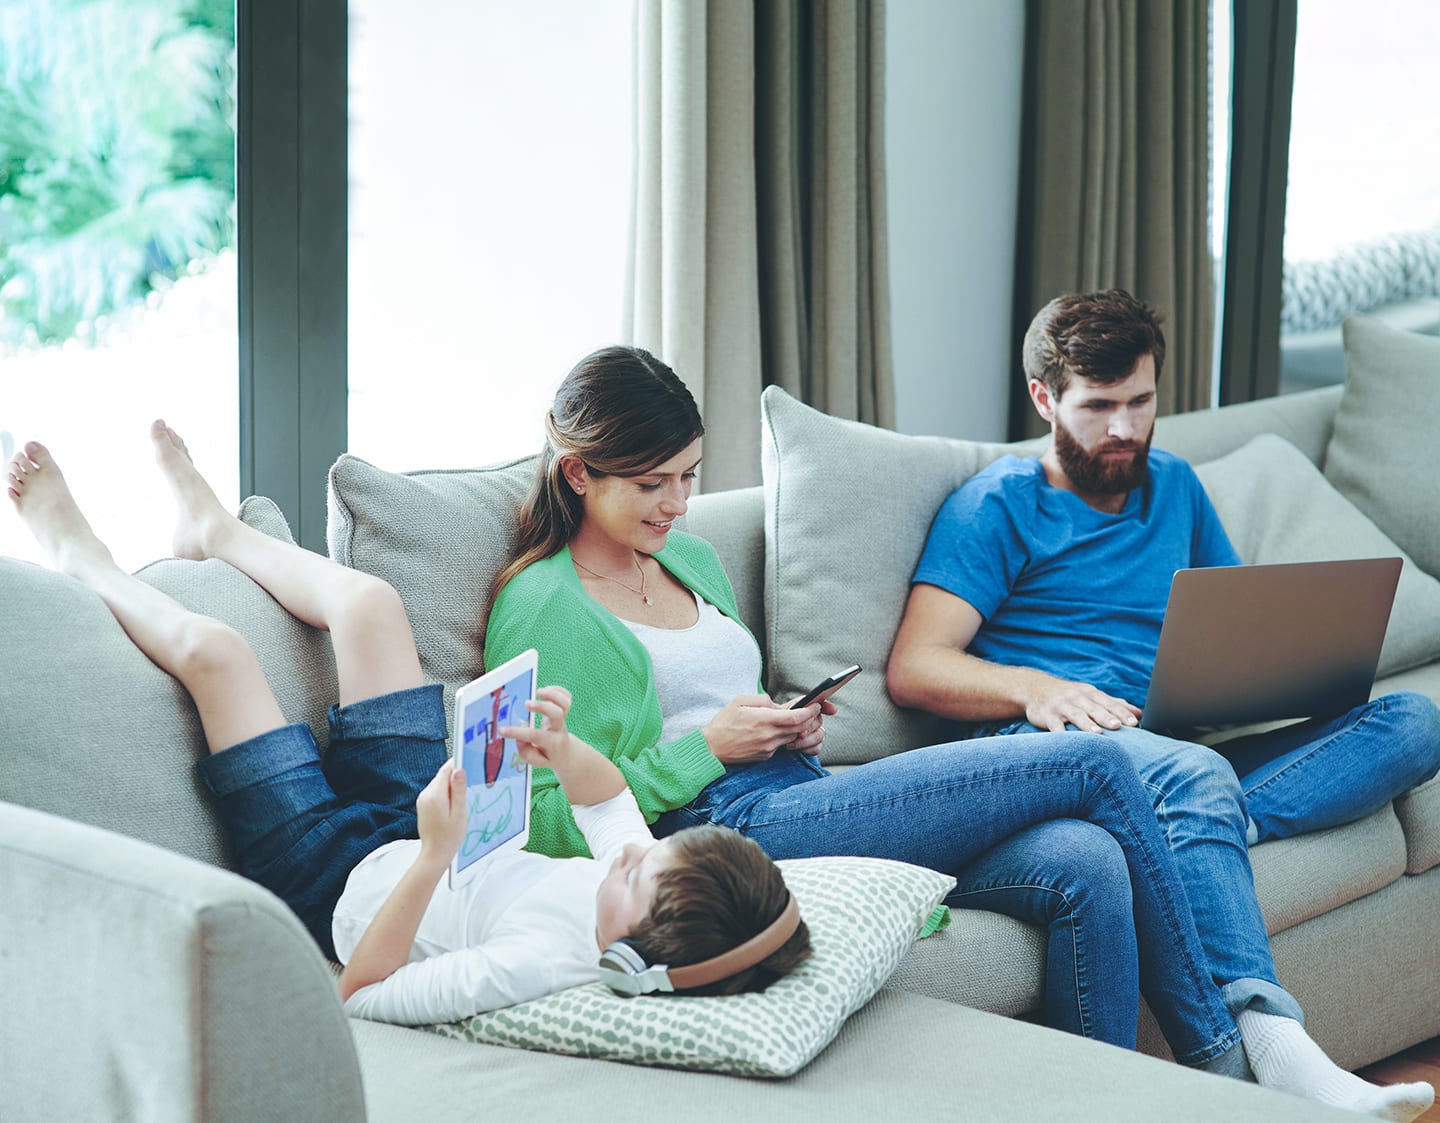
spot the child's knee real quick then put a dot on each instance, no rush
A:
(206, 647)
(363, 599)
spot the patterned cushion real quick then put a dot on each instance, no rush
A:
(1362, 278)
(1298, 516)
(863, 914)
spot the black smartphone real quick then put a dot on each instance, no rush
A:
(826, 687)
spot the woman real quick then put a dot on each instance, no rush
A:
(639, 621)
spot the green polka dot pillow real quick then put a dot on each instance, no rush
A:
(863, 914)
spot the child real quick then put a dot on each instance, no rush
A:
(346, 843)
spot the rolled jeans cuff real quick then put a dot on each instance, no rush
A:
(1262, 996)
(259, 760)
(417, 712)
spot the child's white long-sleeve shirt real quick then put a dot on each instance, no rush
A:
(522, 928)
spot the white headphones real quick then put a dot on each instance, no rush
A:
(624, 969)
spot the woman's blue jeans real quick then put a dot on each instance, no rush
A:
(1052, 828)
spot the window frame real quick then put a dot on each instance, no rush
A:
(291, 240)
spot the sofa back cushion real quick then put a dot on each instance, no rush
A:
(847, 509)
(1278, 507)
(1382, 453)
(440, 538)
(90, 729)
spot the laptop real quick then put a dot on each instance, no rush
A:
(1251, 643)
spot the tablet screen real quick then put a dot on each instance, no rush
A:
(497, 779)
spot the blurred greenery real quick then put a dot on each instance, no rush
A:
(117, 154)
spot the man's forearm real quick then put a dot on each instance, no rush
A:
(956, 685)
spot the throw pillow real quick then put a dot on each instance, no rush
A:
(440, 538)
(863, 915)
(847, 510)
(1381, 454)
(1277, 507)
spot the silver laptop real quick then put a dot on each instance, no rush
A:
(1250, 643)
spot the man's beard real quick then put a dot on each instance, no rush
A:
(1089, 473)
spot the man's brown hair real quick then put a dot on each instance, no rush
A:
(719, 890)
(1095, 335)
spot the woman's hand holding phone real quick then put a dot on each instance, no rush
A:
(751, 727)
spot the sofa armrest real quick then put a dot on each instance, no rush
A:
(141, 984)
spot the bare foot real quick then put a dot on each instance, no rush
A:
(42, 498)
(200, 518)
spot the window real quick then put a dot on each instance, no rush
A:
(117, 259)
(490, 167)
(1362, 216)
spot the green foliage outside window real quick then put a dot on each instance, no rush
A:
(117, 155)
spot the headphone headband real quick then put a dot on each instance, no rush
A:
(625, 971)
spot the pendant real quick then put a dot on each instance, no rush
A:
(648, 602)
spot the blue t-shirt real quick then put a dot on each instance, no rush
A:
(1062, 587)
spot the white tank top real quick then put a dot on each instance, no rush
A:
(699, 669)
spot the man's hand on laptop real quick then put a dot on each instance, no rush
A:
(1056, 703)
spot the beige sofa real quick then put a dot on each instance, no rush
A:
(146, 981)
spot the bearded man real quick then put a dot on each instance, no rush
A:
(1037, 605)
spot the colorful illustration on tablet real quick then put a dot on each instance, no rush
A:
(497, 774)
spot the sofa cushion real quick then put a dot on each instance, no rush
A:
(863, 915)
(94, 731)
(1381, 454)
(1305, 419)
(1419, 814)
(847, 510)
(1298, 516)
(1302, 877)
(903, 1056)
(982, 959)
(440, 538)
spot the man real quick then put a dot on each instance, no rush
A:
(1037, 605)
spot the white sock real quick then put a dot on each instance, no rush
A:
(1285, 1058)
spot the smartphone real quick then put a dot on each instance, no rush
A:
(825, 687)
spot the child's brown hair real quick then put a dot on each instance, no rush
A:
(719, 890)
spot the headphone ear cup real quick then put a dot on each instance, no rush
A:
(624, 969)
(623, 956)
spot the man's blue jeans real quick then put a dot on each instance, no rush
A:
(1302, 777)
(1054, 828)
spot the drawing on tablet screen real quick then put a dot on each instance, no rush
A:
(494, 808)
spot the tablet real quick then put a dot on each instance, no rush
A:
(497, 781)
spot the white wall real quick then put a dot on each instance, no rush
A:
(952, 120)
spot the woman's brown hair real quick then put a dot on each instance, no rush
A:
(621, 411)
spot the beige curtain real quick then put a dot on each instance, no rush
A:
(758, 250)
(1115, 174)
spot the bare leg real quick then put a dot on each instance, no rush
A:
(211, 660)
(369, 630)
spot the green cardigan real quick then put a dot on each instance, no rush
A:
(586, 649)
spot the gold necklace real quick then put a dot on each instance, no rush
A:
(640, 592)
